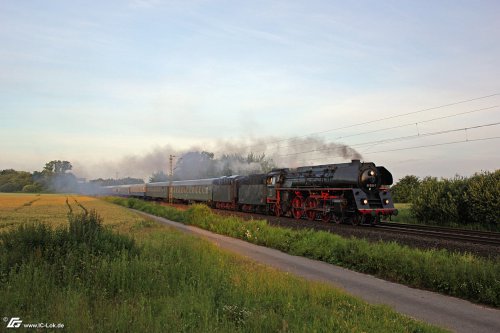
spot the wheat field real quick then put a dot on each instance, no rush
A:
(52, 209)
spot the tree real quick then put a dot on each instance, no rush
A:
(405, 188)
(158, 176)
(14, 181)
(54, 177)
(57, 166)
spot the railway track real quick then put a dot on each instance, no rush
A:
(478, 237)
(484, 244)
(436, 232)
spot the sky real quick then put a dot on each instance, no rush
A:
(101, 83)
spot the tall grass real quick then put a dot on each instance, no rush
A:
(460, 275)
(91, 279)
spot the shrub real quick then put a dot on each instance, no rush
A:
(85, 236)
(405, 188)
(32, 188)
(483, 199)
(10, 187)
(438, 200)
(474, 200)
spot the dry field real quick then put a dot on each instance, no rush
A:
(51, 209)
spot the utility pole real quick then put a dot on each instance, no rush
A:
(171, 176)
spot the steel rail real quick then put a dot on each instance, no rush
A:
(480, 237)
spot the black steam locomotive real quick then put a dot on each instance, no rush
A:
(352, 192)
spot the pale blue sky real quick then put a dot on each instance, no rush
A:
(95, 81)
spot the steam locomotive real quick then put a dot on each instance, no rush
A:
(355, 192)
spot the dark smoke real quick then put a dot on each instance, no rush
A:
(195, 165)
(223, 158)
(297, 151)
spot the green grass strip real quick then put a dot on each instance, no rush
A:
(460, 275)
(94, 280)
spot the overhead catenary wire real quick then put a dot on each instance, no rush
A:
(401, 138)
(413, 147)
(371, 121)
(393, 127)
(436, 144)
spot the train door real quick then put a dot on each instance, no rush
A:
(271, 187)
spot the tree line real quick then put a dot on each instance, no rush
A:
(458, 200)
(56, 176)
(53, 177)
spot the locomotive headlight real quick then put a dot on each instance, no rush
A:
(364, 201)
(386, 201)
(372, 173)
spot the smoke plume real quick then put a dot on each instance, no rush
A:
(223, 158)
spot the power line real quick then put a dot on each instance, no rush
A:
(418, 122)
(423, 135)
(416, 147)
(395, 127)
(434, 145)
(405, 114)
(401, 138)
(375, 120)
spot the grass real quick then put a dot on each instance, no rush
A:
(152, 278)
(405, 216)
(461, 275)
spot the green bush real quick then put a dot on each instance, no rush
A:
(14, 181)
(10, 187)
(85, 235)
(483, 199)
(32, 188)
(438, 200)
(459, 201)
(404, 190)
